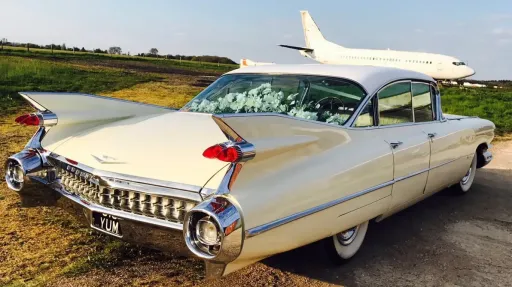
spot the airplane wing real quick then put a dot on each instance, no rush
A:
(297, 48)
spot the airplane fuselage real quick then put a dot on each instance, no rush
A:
(437, 66)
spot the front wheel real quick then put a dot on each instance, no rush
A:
(467, 181)
(343, 246)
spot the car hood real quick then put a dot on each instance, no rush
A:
(165, 147)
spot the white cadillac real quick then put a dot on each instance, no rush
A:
(264, 160)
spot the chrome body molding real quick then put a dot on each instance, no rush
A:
(33, 103)
(276, 223)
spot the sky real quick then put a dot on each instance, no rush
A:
(476, 32)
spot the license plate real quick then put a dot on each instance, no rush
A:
(106, 223)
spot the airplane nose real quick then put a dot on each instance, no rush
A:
(471, 72)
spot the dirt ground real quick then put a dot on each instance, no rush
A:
(445, 240)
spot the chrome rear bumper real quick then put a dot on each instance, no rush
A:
(147, 232)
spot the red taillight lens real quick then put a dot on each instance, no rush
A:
(29, 120)
(223, 153)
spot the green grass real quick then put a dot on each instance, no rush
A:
(24, 74)
(87, 56)
(492, 104)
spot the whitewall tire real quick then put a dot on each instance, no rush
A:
(467, 181)
(343, 246)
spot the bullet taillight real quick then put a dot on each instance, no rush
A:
(28, 119)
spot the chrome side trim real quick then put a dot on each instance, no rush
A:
(276, 223)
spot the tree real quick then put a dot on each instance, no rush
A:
(63, 47)
(115, 50)
(153, 51)
(2, 42)
(82, 50)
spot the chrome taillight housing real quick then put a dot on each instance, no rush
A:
(213, 230)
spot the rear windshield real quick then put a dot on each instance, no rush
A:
(319, 98)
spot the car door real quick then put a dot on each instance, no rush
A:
(451, 152)
(409, 144)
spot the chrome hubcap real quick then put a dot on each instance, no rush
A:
(346, 237)
(465, 179)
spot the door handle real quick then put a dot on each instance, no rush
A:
(432, 135)
(395, 144)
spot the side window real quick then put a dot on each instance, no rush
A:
(333, 100)
(365, 118)
(395, 104)
(422, 102)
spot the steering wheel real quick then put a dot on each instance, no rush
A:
(332, 104)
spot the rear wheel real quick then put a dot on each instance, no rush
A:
(467, 181)
(343, 246)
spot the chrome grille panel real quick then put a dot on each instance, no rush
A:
(96, 190)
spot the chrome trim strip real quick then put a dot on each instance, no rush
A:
(117, 213)
(276, 223)
(33, 103)
(26, 96)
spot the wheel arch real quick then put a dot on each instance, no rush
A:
(480, 158)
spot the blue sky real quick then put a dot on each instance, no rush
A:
(474, 31)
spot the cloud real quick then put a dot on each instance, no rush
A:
(502, 32)
(499, 17)
(418, 30)
(504, 41)
(180, 34)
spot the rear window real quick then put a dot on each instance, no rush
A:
(319, 98)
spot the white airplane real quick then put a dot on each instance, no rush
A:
(247, 63)
(437, 66)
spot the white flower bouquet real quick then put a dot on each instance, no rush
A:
(263, 100)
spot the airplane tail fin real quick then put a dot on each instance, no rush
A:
(312, 33)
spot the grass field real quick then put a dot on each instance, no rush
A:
(87, 56)
(45, 246)
(491, 104)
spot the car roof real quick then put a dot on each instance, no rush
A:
(371, 78)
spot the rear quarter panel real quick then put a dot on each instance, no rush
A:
(327, 163)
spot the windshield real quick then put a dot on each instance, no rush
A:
(319, 98)
(459, 63)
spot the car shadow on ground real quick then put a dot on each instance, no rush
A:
(411, 239)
